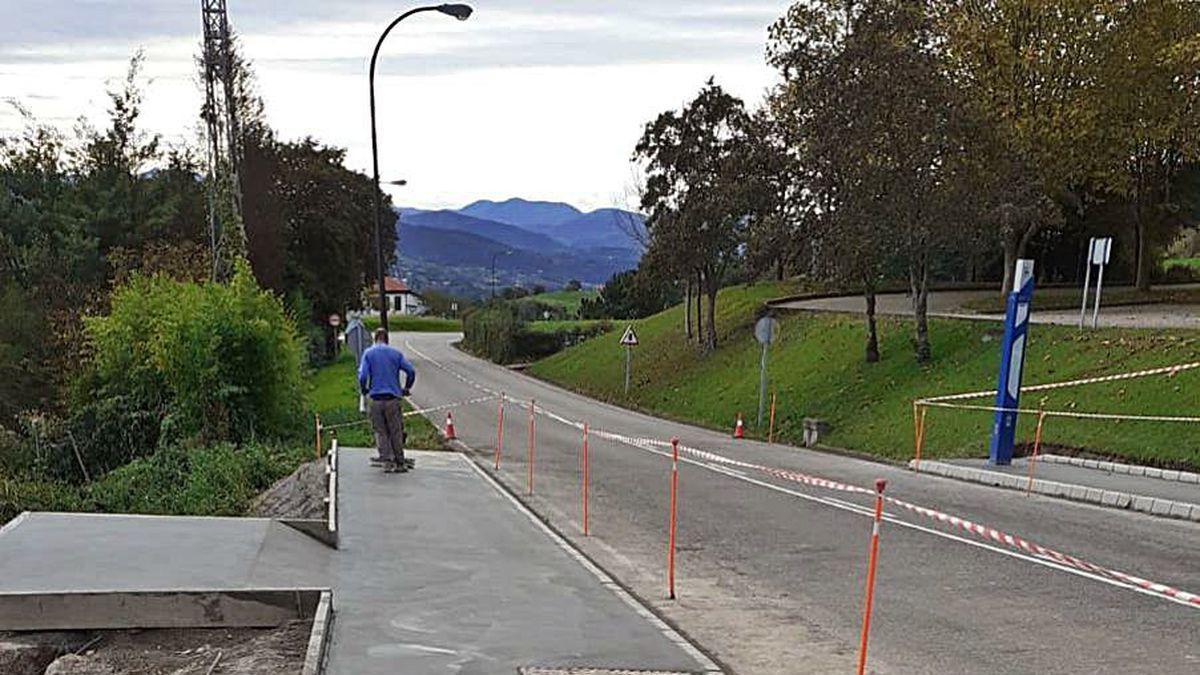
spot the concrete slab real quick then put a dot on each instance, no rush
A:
(440, 572)
(59, 552)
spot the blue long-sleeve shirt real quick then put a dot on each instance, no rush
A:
(379, 372)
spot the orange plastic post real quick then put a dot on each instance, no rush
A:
(771, 429)
(586, 468)
(671, 527)
(920, 442)
(1037, 444)
(530, 446)
(317, 417)
(872, 560)
(499, 429)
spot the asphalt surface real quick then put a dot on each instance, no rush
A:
(771, 572)
(950, 304)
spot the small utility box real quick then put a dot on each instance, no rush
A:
(814, 429)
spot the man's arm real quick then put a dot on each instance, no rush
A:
(364, 379)
(410, 373)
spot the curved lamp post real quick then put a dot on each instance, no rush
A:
(460, 12)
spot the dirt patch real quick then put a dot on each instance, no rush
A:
(241, 651)
(299, 495)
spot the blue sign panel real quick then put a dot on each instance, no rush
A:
(1012, 360)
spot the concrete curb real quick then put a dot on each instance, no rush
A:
(1165, 508)
(323, 530)
(318, 638)
(107, 610)
(1119, 467)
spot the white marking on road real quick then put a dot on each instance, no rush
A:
(644, 445)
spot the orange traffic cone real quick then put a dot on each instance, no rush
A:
(450, 427)
(738, 432)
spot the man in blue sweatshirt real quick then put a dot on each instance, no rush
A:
(379, 379)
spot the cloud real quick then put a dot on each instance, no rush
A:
(545, 99)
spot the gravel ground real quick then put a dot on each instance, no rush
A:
(242, 651)
(300, 495)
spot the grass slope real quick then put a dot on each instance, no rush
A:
(570, 301)
(414, 324)
(817, 370)
(334, 397)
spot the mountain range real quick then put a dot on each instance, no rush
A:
(531, 243)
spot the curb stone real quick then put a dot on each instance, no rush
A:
(1121, 467)
(1113, 499)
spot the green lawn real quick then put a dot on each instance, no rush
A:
(415, 324)
(818, 371)
(1193, 263)
(570, 301)
(334, 396)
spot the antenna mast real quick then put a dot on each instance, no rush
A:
(224, 134)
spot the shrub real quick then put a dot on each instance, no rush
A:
(206, 481)
(176, 361)
(491, 332)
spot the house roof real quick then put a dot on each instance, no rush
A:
(394, 285)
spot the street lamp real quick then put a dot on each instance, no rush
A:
(494, 272)
(460, 12)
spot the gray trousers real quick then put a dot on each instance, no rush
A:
(387, 421)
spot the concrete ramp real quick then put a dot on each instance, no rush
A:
(100, 553)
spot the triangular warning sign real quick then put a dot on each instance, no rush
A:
(629, 339)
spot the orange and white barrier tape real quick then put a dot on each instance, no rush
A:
(1165, 370)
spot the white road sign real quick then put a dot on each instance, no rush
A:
(629, 339)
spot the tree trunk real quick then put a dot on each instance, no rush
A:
(872, 331)
(918, 275)
(710, 338)
(1142, 274)
(699, 312)
(687, 309)
(1010, 264)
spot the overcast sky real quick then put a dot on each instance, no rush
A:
(542, 100)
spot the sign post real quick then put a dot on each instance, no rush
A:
(1012, 360)
(1099, 253)
(357, 341)
(629, 340)
(765, 331)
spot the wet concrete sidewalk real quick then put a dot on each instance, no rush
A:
(440, 572)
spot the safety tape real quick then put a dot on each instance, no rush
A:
(1165, 370)
(410, 413)
(1063, 413)
(976, 529)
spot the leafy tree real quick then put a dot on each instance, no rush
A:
(1148, 130)
(884, 140)
(1028, 66)
(695, 194)
(632, 294)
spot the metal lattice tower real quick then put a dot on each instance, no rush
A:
(221, 119)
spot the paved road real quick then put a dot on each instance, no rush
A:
(951, 304)
(771, 571)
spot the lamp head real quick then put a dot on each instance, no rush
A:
(460, 12)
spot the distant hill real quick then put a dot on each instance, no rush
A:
(531, 215)
(611, 228)
(510, 235)
(535, 243)
(460, 262)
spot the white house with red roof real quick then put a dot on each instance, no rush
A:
(400, 298)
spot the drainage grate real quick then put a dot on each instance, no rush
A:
(598, 671)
